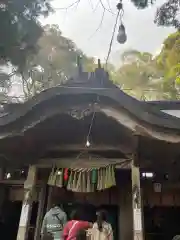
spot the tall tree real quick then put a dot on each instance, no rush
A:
(54, 63)
(20, 29)
(139, 75)
(166, 15)
(169, 62)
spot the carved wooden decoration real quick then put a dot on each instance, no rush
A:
(81, 112)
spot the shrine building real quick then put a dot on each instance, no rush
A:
(92, 145)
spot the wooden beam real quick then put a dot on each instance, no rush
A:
(140, 128)
(82, 162)
(1, 173)
(18, 182)
(49, 199)
(136, 194)
(81, 147)
(41, 204)
(126, 215)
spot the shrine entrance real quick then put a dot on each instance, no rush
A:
(90, 203)
(109, 199)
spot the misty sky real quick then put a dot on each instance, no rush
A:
(80, 23)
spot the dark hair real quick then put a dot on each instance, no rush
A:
(81, 234)
(101, 217)
(55, 202)
(77, 214)
(177, 237)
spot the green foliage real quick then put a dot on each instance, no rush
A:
(153, 78)
(54, 63)
(139, 75)
(166, 15)
(169, 62)
(5, 85)
(19, 28)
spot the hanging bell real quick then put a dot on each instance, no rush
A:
(121, 37)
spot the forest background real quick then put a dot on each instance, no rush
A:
(35, 58)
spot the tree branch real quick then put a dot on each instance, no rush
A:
(100, 24)
(103, 6)
(76, 3)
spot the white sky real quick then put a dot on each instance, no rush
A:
(79, 24)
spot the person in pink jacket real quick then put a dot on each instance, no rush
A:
(72, 227)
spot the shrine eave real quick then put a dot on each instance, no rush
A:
(165, 104)
(141, 117)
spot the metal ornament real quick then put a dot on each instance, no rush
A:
(121, 37)
(82, 112)
(79, 113)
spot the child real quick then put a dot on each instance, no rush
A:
(101, 230)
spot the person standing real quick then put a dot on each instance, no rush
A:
(101, 230)
(53, 223)
(73, 227)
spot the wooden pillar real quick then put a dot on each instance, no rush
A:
(3, 190)
(29, 187)
(136, 204)
(126, 215)
(49, 200)
(1, 173)
(42, 198)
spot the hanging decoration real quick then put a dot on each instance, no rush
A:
(66, 174)
(59, 177)
(52, 177)
(83, 179)
(121, 37)
(88, 144)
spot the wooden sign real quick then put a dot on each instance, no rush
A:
(157, 187)
(137, 220)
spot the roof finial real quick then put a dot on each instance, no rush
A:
(99, 63)
(79, 65)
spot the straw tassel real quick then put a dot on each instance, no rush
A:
(100, 179)
(79, 182)
(70, 181)
(89, 181)
(113, 175)
(75, 180)
(106, 178)
(109, 177)
(52, 178)
(94, 176)
(84, 181)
